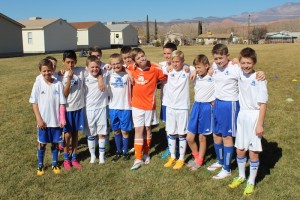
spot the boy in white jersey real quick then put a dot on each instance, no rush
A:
(167, 50)
(74, 92)
(253, 97)
(178, 104)
(96, 102)
(200, 122)
(48, 101)
(226, 108)
(120, 105)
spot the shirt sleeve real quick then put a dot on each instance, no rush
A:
(262, 96)
(34, 93)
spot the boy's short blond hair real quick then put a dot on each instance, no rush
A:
(201, 59)
(178, 53)
(92, 59)
(220, 49)
(135, 52)
(115, 55)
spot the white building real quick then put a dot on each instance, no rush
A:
(48, 35)
(91, 34)
(10, 37)
(123, 35)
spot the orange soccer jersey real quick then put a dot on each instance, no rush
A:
(145, 80)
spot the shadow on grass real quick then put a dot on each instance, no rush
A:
(268, 158)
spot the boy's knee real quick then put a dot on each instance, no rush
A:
(202, 138)
(190, 138)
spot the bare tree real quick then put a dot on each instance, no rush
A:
(258, 33)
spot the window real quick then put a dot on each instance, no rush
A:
(117, 35)
(29, 36)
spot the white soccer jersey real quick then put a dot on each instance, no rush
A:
(75, 100)
(163, 84)
(226, 80)
(48, 98)
(119, 90)
(94, 97)
(252, 92)
(177, 94)
(204, 88)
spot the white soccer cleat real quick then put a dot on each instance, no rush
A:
(222, 174)
(214, 166)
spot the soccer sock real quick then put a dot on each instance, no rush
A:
(66, 156)
(195, 155)
(74, 156)
(118, 141)
(182, 148)
(125, 145)
(200, 161)
(138, 148)
(40, 155)
(172, 145)
(54, 149)
(228, 153)
(242, 166)
(146, 145)
(92, 146)
(253, 171)
(219, 152)
(101, 149)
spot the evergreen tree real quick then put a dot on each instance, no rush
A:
(155, 30)
(199, 28)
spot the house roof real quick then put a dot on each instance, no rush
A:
(83, 25)
(218, 36)
(116, 27)
(282, 34)
(37, 23)
(11, 20)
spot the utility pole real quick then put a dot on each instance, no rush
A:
(249, 21)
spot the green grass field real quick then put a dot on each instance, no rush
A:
(278, 176)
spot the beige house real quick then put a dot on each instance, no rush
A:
(10, 37)
(92, 34)
(48, 35)
(123, 35)
(175, 38)
(210, 38)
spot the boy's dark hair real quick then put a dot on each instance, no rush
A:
(220, 49)
(51, 58)
(249, 53)
(92, 59)
(201, 59)
(136, 51)
(170, 45)
(95, 49)
(125, 49)
(69, 54)
(45, 62)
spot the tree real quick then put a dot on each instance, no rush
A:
(155, 30)
(258, 33)
(199, 28)
(147, 32)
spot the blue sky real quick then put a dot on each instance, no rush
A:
(128, 10)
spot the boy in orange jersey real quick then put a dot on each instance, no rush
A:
(146, 75)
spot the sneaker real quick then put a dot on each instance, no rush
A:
(116, 157)
(222, 174)
(170, 162)
(166, 153)
(237, 181)
(93, 159)
(55, 169)
(137, 164)
(131, 150)
(76, 164)
(40, 171)
(146, 159)
(214, 166)
(126, 156)
(249, 189)
(179, 164)
(67, 165)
